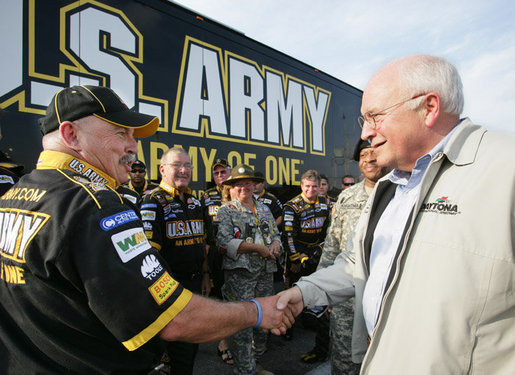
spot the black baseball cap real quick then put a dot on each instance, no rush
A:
(138, 163)
(76, 102)
(360, 146)
(221, 162)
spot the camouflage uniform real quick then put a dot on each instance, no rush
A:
(346, 214)
(247, 275)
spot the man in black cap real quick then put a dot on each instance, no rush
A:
(346, 212)
(75, 258)
(137, 180)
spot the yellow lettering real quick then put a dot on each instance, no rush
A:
(208, 161)
(155, 147)
(247, 157)
(234, 158)
(295, 178)
(284, 171)
(271, 169)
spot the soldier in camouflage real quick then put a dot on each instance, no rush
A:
(250, 241)
(346, 213)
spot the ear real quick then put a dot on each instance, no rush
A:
(69, 134)
(431, 109)
(161, 170)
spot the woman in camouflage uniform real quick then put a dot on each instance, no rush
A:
(250, 242)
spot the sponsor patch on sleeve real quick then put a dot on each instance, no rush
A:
(148, 205)
(288, 217)
(163, 288)
(130, 243)
(118, 219)
(148, 215)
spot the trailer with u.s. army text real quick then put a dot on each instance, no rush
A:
(217, 93)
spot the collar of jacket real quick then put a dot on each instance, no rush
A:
(456, 150)
(307, 200)
(171, 190)
(59, 160)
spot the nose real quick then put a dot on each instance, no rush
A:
(367, 132)
(132, 144)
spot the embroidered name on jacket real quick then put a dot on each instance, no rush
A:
(177, 229)
(441, 205)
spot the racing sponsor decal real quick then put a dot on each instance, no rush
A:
(163, 288)
(118, 219)
(147, 215)
(150, 267)
(442, 205)
(147, 225)
(148, 205)
(130, 243)
(130, 198)
(288, 217)
(177, 229)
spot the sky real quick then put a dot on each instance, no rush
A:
(352, 39)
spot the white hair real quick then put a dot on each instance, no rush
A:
(174, 150)
(423, 73)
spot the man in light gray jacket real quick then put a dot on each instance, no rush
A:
(432, 262)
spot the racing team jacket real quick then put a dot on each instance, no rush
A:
(272, 202)
(211, 201)
(176, 228)
(74, 258)
(305, 226)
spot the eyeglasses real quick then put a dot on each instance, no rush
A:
(370, 118)
(138, 171)
(187, 166)
(348, 183)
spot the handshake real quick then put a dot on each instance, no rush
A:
(277, 313)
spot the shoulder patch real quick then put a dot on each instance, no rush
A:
(130, 243)
(118, 219)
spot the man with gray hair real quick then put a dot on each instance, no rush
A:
(82, 289)
(432, 259)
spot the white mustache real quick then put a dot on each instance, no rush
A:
(129, 158)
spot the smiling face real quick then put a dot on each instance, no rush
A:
(368, 166)
(176, 169)
(242, 190)
(402, 133)
(309, 188)
(107, 147)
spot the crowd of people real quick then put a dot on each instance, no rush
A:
(408, 270)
